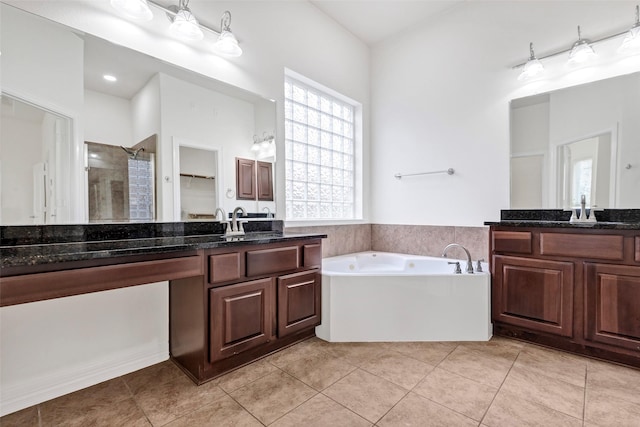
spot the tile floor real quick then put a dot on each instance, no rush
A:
(315, 383)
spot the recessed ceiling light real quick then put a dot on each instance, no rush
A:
(109, 78)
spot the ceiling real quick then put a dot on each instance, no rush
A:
(375, 20)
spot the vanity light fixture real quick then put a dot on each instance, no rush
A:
(262, 143)
(227, 43)
(134, 9)
(581, 51)
(631, 42)
(533, 67)
(184, 24)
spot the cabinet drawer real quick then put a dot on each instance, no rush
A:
(312, 256)
(512, 241)
(268, 261)
(224, 267)
(582, 245)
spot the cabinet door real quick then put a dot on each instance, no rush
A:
(240, 317)
(265, 180)
(245, 179)
(298, 302)
(534, 294)
(613, 305)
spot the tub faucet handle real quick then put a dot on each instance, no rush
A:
(479, 265)
(457, 270)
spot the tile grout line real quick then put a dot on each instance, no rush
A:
(584, 403)
(135, 399)
(500, 388)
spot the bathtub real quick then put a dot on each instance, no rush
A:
(378, 296)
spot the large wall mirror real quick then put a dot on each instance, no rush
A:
(159, 143)
(582, 140)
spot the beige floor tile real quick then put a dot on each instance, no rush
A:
(103, 394)
(245, 375)
(272, 396)
(463, 395)
(496, 347)
(614, 380)
(478, 366)
(604, 410)
(25, 418)
(428, 352)
(309, 347)
(547, 391)
(320, 411)
(152, 376)
(414, 410)
(319, 370)
(508, 410)
(398, 368)
(354, 353)
(172, 399)
(224, 412)
(366, 394)
(122, 413)
(562, 366)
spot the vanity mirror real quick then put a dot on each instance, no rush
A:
(59, 73)
(574, 141)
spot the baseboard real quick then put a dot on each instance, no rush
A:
(32, 391)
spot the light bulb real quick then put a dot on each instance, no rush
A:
(134, 9)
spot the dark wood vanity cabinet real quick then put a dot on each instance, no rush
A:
(252, 301)
(573, 289)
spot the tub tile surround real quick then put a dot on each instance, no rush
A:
(318, 383)
(427, 240)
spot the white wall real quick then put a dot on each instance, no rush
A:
(209, 120)
(274, 35)
(107, 119)
(440, 96)
(50, 348)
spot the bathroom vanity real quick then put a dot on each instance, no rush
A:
(575, 287)
(231, 299)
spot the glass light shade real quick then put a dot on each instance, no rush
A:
(227, 44)
(255, 146)
(631, 42)
(581, 52)
(134, 9)
(185, 26)
(532, 68)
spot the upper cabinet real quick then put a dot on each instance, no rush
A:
(254, 180)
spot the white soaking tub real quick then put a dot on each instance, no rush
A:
(379, 296)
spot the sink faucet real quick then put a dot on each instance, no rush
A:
(236, 226)
(469, 268)
(223, 219)
(269, 214)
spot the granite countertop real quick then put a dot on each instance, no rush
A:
(608, 219)
(26, 246)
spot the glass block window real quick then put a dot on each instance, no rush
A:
(320, 154)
